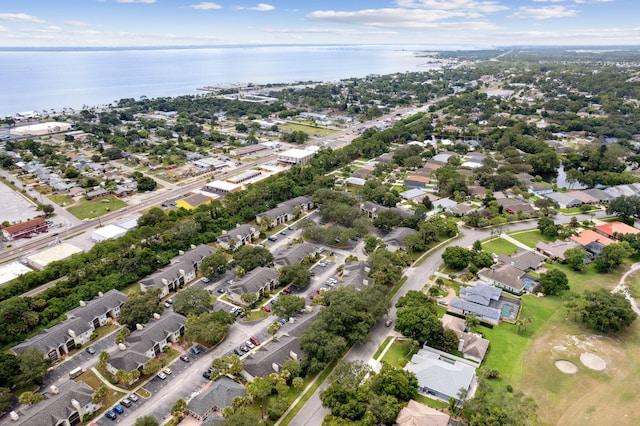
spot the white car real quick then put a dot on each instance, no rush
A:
(161, 375)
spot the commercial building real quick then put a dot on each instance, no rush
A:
(25, 229)
(107, 232)
(61, 251)
(41, 129)
(11, 271)
(296, 157)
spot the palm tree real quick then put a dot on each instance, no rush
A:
(179, 408)
(472, 321)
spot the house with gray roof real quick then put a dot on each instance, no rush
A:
(182, 270)
(238, 236)
(395, 239)
(217, 396)
(356, 274)
(127, 360)
(267, 359)
(484, 313)
(598, 194)
(151, 338)
(63, 405)
(481, 294)
(415, 194)
(294, 254)
(258, 281)
(441, 375)
(564, 201)
(508, 277)
(525, 260)
(556, 249)
(473, 346)
(285, 211)
(62, 338)
(444, 204)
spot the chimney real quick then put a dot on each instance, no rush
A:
(275, 367)
(14, 416)
(83, 303)
(139, 327)
(76, 405)
(54, 389)
(193, 246)
(156, 316)
(180, 252)
(100, 294)
(122, 347)
(460, 345)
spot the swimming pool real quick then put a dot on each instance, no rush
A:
(506, 311)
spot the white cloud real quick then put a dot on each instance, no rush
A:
(2, 29)
(543, 13)
(260, 7)
(136, 1)
(394, 18)
(337, 31)
(20, 17)
(468, 5)
(49, 29)
(77, 23)
(206, 5)
(592, 1)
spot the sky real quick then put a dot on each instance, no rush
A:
(446, 23)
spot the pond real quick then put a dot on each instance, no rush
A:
(561, 181)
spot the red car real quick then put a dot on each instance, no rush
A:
(286, 290)
(255, 340)
(267, 309)
(184, 358)
(312, 296)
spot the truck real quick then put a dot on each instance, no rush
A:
(75, 372)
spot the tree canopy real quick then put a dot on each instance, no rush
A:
(601, 310)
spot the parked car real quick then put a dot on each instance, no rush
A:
(442, 302)
(161, 375)
(111, 415)
(244, 348)
(267, 309)
(251, 345)
(312, 296)
(91, 350)
(220, 290)
(167, 370)
(237, 351)
(133, 397)
(283, 233)
(286, 290)
(388, 323)
(126, 402)
(282, 321)
(167, 304)
(205, 280)
(195, 350)
(170, 300)
(118, 409)
(184, 358)
(273, 239)
(255, 340)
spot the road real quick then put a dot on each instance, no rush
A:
(313, 412)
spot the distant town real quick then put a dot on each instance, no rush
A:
(449, 247)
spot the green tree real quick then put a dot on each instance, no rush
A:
(8, 368)
(396, 382)
(139, 308)
(554, 282)
(297, 274)
(473, 322)
(496, 406)
(151, 367)
(6, 399)
(575, 258)
(146, 184)
(547, 227)
(30, 398)
(179, 408)
(456, 257)
(104, 356)
(33, 367)
(215, 264)
(626, 207)
(259, 389)
(48, 210)
(208, 328)
(250, 257)
(612, 256)
(603, 311)
(193, 301)
(287, 304)
(146, 421)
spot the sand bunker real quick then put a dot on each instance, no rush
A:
(592, 361)
(566, 366)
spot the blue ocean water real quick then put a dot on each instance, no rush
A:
(48, 79)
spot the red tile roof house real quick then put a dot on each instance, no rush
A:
(611, 229)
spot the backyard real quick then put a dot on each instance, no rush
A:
(309, 129)
(499, 246)
(531, 238)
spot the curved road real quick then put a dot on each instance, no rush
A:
(313, 412)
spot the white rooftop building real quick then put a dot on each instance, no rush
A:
(11, 271)
(41, 129)
(107, 232)
(62, 251)
(298, 157)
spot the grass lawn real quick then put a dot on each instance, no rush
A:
(255, 315)
(508, 346)
(589, 279)
(89, 209)
(294, 411)
(90, 378)
(433, 403)
(381, 347)
(311, 130)
(531, 238)
(499, 246)
(62, 200)
(400, 353)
